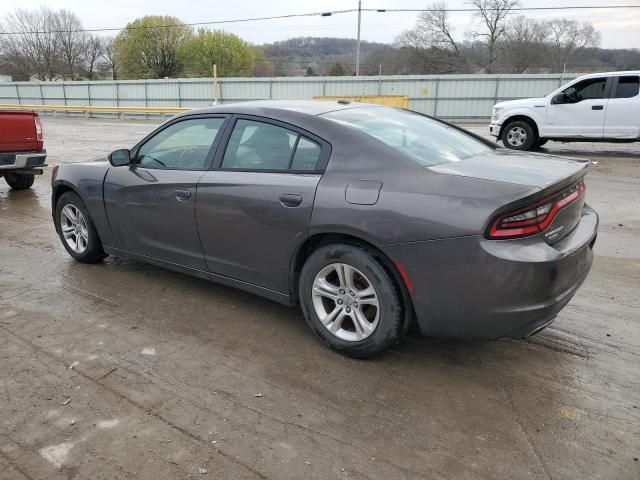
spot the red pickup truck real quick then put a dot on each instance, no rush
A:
(21, 148)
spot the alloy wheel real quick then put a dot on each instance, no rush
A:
(74, 228)
(346, 302)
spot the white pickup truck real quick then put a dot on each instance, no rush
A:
(602, 107)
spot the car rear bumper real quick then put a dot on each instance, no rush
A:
(471, 287)
(22, 161)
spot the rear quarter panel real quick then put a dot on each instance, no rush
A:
(414, 204)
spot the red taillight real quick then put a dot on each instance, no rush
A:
(534, 218)
(39, 129)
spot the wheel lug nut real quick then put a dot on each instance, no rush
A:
(355, 304)
(348, 310)
(340, 302)
(341, 292)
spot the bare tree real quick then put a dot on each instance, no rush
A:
(567, 38)
(94, 54)
(431, 40)
(72, 43)
(110, 57)
(492, 15)
(34, 48)
(524, 43)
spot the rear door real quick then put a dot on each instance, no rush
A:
(623, 112)
(579, 111)
(151, 204)
(254, 207)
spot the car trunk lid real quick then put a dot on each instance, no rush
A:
(532, 169)
(560, 190)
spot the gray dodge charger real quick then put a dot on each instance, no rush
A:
(370, 218)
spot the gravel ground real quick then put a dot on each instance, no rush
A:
(124, 370)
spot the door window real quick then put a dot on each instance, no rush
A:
(263, 146)
(184, 145)
(627, 87)
(591, 88)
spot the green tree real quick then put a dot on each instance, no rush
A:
(148, 47)
(337, 70)
(310, 72)
(233, 56)
(262, 67)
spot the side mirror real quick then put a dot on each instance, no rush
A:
(119, 158)
(558, 99)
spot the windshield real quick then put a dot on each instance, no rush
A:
(424, 140)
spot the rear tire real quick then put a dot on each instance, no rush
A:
(330, 305)
(19, 181)
(519, 135)
(76, 230)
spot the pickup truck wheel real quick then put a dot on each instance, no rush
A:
(19, 181)
(76, 230)
(519, 135)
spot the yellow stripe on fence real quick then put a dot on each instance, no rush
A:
(94, 108)
(400, 101)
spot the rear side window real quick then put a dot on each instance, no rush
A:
(627, 87)
(425, 140)
(257, 145)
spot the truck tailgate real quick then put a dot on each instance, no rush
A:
(18, 132)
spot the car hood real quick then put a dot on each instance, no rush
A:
(523, 102)
(501, 165)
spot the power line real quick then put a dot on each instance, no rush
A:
(323, 14)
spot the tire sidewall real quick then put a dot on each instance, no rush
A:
(93, 252)
(391, 319)
(19, 181)
(531, 135)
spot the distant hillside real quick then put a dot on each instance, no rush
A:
(295, 55)
(319, 55)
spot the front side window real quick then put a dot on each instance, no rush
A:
(184, 145)
(591, 88)
(262, 146)
(423, 139)
(627, 87)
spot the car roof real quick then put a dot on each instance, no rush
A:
(309, 107)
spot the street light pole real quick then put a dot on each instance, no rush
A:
(358, 41)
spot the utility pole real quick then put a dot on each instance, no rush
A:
(358, 41)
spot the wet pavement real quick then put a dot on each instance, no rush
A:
(125, 370)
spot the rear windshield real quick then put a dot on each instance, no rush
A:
(424, 140)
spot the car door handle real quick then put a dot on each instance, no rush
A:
(290, 200)
(183, 195)
(597, 107)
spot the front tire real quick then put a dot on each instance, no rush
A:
(76, 230)
(19, 181)
(350, 301)
(519, 135)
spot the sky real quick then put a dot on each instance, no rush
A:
(619, 28)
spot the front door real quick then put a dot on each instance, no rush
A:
(579, 110)
(254, 209)
(151, 204)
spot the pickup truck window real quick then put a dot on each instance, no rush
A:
(586, 89)
(627, 87)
